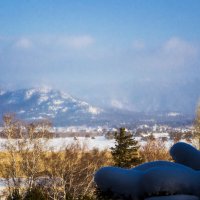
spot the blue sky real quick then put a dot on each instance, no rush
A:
(99, 50)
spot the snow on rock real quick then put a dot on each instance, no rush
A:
(186, 154)
(42, 98)
(44, 89)
(119, 181)
(158, 179)
(65, 96)
(171, 180)
(29, 93)
(94, 110)
(159, 163)
(83, 103)
(58, 102)
(65, 109)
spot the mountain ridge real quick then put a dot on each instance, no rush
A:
(62, 110)
(40, 103)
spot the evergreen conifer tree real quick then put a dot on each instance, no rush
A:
(125, 153)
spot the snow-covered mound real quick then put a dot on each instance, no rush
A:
(122, 182)
(159, 163)
(186, 154)
(174, 197)
(40, 103)
(154, 180)
(171, 180)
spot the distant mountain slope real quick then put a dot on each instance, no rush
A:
(63, 109)
(166, 96)
(39, 103)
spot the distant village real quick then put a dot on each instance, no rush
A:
(102, 137)
(141, 132)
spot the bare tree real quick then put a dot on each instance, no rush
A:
(197, 125)
(10, 169)
(25, 147)
(70, 172)
(154, 150)
(64, 174)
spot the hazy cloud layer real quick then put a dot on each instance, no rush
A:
(23, 43)
(99, 71)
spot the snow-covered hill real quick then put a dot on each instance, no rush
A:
(39, 103)
(63, 110)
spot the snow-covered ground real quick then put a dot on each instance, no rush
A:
(90, 143)
(99, 142)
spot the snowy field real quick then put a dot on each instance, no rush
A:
(99, 142)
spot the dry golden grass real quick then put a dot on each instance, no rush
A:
(154, 150)
(5, 158)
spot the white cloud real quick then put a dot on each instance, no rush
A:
(121, 104)
(177, 45)
(178, 52)
(172, 53)
(23, 43)
(145, 180)
(138, 45)
(77, 42)
(117, 104)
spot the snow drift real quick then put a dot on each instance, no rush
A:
(156, 180)
(186, 154)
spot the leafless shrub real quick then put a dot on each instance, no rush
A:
(74, 168)
(154, 150)
(29, 163)
(24, 147)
